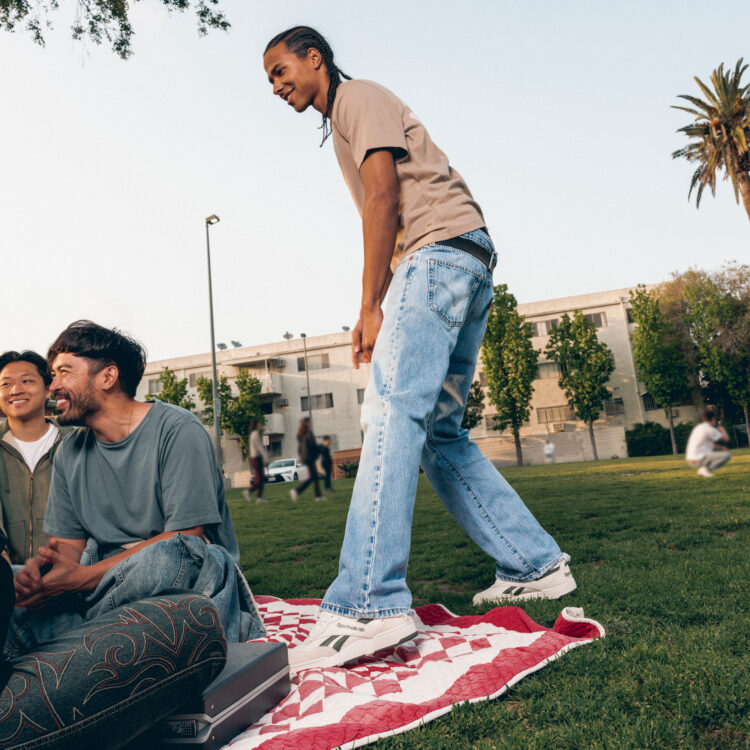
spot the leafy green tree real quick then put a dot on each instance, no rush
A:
(474, 406)
(237, 411)
(719, 134)
(510, 363)
(101, 20)
(585, 365)
(658, 356)
(172, 391)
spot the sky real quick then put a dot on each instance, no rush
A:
(557, 114)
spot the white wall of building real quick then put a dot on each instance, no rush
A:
(333, 378)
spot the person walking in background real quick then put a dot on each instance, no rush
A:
(308, 453)
(326, 462)
(549, 452)
(702, 453)
(258, 461)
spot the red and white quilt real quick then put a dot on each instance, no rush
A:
(453, 659)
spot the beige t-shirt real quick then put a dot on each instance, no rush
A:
(434, 202)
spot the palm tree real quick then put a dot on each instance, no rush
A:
(720, 134)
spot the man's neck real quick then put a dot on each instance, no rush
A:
(28, 430)
(117, 419)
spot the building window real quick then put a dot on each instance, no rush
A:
(491, 422)
(266, 407)
(314, 362)
(154, 386)
(319, 401)
(547, 370)
(614, 406)
(598, 319)
(629, 313)
(482, 379)
(547, 414)
(193, 377)
(360, 395)
(648, 402)
(543, 327)
(274, 448)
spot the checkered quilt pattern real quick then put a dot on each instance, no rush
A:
(453, 659)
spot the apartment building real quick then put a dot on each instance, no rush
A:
(336, 390)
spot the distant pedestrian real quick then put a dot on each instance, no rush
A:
(308, 453)
(702, 452)
(326, 462)
(549, 452)
(258, 461)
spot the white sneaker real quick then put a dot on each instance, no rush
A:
(246, 495)
(336, 640)
(293, 495)
(320, 498)
(704, 471)
(557, 582)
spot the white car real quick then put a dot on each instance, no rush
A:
(287, 470)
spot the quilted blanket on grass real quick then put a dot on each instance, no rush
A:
(453, 659)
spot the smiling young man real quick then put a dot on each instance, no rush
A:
(28, 441)
(425, 239)
(135, 495)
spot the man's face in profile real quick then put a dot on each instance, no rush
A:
(73, 388)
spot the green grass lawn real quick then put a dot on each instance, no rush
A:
(661, 558)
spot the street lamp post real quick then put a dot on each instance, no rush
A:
(210, 220)
(303, 336)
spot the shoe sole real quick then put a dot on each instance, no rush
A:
(346, 657)
(552, 593)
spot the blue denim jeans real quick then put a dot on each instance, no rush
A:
(105, 682)
(422, 368)
(181, 563)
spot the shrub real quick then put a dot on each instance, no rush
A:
(651, 439)
(349, 468)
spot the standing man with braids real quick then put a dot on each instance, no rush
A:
(424, 237)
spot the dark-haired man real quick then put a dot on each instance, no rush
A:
(28, 441)
(425, 238)
(136, 493)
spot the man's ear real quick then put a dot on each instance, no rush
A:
(108, 377)
(315, 58)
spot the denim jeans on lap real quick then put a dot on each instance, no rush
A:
(106, 681)
(422, 368)
(181, 563)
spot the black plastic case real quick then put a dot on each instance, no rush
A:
(253, 681)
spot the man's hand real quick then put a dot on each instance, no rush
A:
(365, 335)
(64, 575)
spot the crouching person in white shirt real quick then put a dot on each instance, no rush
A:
(702, 451)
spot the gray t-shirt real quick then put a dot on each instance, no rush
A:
(161, 477)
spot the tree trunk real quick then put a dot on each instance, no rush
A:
(593, 442)
(671, 430)
(744, 179)
(747, 425)
(519, 452)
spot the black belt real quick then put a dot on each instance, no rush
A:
(473, 248)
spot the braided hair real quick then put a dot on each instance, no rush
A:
(300, 39)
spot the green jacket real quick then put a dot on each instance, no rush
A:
(23, 496)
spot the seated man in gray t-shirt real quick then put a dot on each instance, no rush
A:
(136, 505)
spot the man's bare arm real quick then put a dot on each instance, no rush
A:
(379, 230)
(66, 575)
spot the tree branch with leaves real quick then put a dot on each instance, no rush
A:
(101, 20)
(585, 366)
(510, 363)
(237, 411)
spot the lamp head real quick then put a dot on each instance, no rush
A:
(212, 219)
